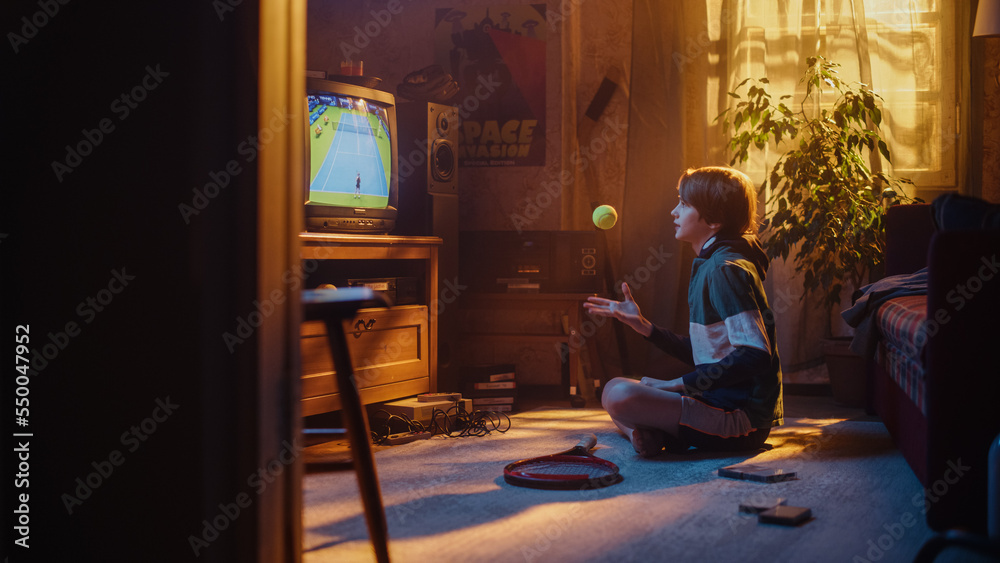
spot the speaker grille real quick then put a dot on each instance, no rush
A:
(442, 160)
(442, 123)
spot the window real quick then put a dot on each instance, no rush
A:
(905, 49)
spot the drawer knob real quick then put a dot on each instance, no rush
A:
(362, 326)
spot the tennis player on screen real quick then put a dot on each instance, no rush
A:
(732, 397)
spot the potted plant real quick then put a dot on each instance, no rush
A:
(827, 193)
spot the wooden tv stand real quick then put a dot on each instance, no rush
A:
(394, 349)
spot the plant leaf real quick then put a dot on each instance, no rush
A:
(884, 149)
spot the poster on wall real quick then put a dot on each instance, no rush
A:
(497, 56)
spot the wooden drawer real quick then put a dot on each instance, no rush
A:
(389, 351)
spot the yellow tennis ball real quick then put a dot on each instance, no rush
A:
(605, 217)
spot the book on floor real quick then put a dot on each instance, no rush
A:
(760, 473)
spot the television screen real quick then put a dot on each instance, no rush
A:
(351, 148)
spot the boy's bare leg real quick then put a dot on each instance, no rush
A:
(642, 413)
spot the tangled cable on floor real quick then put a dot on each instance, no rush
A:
(454, 422)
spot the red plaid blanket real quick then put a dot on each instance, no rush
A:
(900, 352)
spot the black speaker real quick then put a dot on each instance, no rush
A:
(427, 164)
(427, 167)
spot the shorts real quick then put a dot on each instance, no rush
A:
(712, 428)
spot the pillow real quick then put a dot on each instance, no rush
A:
(954, 212)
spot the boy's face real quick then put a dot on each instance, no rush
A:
(689, 226)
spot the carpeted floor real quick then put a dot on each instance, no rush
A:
(446, 500)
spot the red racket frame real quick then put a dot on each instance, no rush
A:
(577, 454)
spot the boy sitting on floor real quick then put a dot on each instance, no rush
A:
(733, 397)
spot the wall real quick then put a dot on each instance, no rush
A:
(394, 38)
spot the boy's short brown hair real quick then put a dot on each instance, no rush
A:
(721, 195)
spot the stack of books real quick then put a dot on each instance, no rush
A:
(491, 387)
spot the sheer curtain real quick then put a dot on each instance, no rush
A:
(687, 55)
(904, 49)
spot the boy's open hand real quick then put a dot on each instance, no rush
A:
(625, 311)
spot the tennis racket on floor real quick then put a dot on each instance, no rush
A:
(574, 468)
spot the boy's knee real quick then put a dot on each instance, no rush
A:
(619, 395)
(611, 391)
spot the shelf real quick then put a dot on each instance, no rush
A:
(564, 328)
(395, 353)
(321, 246)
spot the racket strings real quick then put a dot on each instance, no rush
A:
(576, 468)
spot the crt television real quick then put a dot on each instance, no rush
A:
(351, 182)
